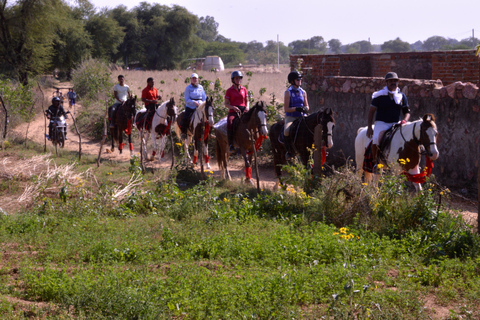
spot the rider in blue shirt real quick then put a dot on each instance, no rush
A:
(295, 106)
(194, 97)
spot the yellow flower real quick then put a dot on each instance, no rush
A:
(178, 144)
(408, 160)
(343, 230)
(365, 184)
(379, 166)
(335, 233)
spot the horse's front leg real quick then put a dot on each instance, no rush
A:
(112, 133)
(205, 153)
(186, 143)
(248, 168)
(153, 136)
(130, 144)
(415, 171)
(120, 141)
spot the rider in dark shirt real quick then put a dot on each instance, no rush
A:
(54, 111)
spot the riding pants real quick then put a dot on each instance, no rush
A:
(230, 129)
(186, 119)
(288, 122)
(113, 111)
(379, 129)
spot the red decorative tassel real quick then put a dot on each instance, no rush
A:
(167, 128)
(248, 173)
(128, 129)
(207, 131)
(324, 154)
(131, 146)
(195, 159)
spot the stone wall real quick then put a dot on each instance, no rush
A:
(456, 108)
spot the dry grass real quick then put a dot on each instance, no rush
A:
(273, 80)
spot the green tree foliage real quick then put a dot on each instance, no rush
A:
(106, 35)
(92, 78)
(434, 43)
(335, 46)
(207, 29)
(359, 47)
(230, 52)
(168, 36)
(28, 29)
(396, 45)
(314, 45)
(128, 49)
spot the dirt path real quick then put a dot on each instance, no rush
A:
(36, 133)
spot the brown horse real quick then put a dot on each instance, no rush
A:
(203, 114)
(302, 132)
(123, 121)
(255, 120)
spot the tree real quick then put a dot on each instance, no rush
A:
(396, 45)
(207, 29)
(106, 35)
(335, 46)
(314, 45)
(128, 49)
(434, 43)
(230, 52)
(28, 29)
(359, 47)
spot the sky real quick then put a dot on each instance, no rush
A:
(348, 21)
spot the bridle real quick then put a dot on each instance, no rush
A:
(319, 120)
(418, 141)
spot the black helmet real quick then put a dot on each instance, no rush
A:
(55, 99)
(294, 75)
(391, 76)
(237, 73)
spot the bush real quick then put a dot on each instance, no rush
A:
(92, 80)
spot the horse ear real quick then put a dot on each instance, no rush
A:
(427, 117)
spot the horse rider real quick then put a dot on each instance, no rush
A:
(194, 97)
(150, 96)
(236, 100)
(388, 104)
(55, 110)
(121, 92)
(295, 105)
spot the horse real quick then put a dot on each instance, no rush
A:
(162, 120)
(302, 131)
(408, 143)
(254, 120)
(123, 121)
(203, 114)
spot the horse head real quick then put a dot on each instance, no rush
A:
(209, 110)
(328, 123)
(131, 106)
(260, 116)
(171, 109)
(428, 136)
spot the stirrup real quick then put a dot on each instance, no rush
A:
(231, 148)
(288, 156)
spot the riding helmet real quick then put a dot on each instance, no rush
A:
(294, 75)
(55, 99)
(391, 76)
(237, 73)
(194, 75)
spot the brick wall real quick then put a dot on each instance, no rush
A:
(447, 66)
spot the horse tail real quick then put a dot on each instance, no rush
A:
(176, 128)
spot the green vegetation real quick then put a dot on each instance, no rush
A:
(111, 243)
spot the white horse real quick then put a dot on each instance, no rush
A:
(408, 144)
(203, 114)
(162, 120)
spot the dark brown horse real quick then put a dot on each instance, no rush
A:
(203, 114)
(123, 122)
(302, 133)
(255, 120)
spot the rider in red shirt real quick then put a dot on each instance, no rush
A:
(236, 100)
(150, 95)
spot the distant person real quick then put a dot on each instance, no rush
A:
(121, 92)
(388, 104)
(57, 93)
(194, 96)
(150, 96)
(55, 110)
(236, 100)
(295, 105)
(71, 95)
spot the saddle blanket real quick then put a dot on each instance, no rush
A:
(221, 126)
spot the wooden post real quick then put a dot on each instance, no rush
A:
(200, 151)
(104, 137)
(478, 200)
(317, 154)
(79, 138)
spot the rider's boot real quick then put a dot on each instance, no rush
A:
(231, 146)
(288, 145)
(375, 152)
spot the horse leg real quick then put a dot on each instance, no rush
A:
(248, 168)
(153, 136)
(205, 153)
(188, 159)
(130, 145)
(112, 133)
(414, 171)
(120, 140)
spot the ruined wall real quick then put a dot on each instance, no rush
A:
(456, 108)
(447, 66)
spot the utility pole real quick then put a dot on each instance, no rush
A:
(278, 53)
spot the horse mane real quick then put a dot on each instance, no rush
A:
(248, 115)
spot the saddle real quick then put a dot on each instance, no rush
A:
(145, 120)
(368, 162)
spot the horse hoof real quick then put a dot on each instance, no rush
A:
(208, 166)
(108, 151)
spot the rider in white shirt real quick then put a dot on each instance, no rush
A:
(121, 91)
